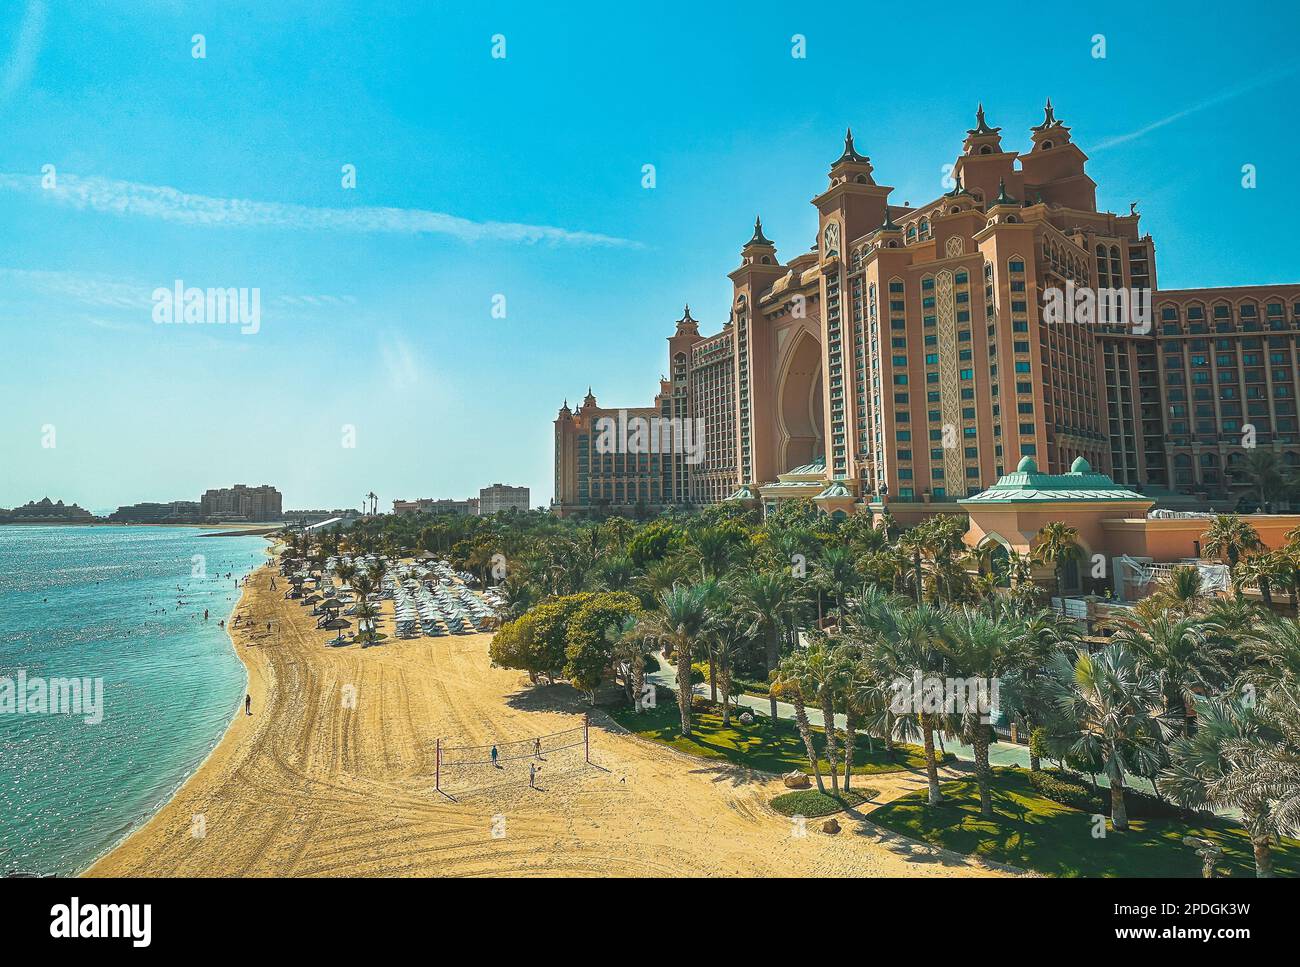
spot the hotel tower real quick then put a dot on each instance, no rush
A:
(911, 358)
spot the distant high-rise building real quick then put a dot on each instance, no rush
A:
(242, 502)
(501, 497)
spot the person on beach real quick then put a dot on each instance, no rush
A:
(248, 704)
(494, 758)
(532, 775)
(537, 748)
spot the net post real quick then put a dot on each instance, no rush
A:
(586, 736)
(437, 767)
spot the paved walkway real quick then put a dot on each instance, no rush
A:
(1000, 753)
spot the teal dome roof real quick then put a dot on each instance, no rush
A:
(1080, 465)
(1027, 465)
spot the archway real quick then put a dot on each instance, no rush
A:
(799, 404)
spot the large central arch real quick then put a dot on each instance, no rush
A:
(800, 420)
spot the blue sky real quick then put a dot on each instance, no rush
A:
(376, 301)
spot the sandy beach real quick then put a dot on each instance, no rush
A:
(316, 784)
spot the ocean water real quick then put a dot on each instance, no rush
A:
(125, 605)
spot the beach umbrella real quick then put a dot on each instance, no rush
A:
(338, 624)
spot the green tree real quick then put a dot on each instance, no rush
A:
(594, 629)
(766, 598)
(1222, 766)
(1113, 707)
(1229, 538)
(682, 617)
(1058, 545)
(790, 681)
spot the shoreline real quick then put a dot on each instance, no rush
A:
(334, 775)
(171, 796)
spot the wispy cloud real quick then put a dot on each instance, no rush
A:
(126, 198)
(1231, 94)
(400, 362)
(27, 45)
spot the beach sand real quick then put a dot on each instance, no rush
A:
(315, 785)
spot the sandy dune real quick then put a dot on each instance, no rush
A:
(308, 786)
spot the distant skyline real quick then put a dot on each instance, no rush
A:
(519, 177)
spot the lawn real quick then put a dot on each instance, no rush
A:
(756, 746)
(1038, 834)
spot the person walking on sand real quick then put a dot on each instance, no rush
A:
(537, 748)
(494, 758)
(532, 775)
(248, 704)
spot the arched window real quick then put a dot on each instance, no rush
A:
(911, 232)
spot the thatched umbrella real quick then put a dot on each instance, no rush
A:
(337, 624)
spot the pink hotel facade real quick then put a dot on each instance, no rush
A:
(907, 359)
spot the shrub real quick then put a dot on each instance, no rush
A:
(810, 803)
(1061, 787)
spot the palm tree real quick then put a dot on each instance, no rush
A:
(983, 648)
(828, 675)
(1114, 715)
(834, 573)
(1058, 545)
(682, 617)
(1188, 658)
(1183, 591)
(765, 597)
(1267, 476)
(713, 550)
(790, 681)
(1264, 569)
(1222, 766)
(897, 644)
(869, 624)
(1228, 538)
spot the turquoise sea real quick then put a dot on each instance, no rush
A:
(125, 605)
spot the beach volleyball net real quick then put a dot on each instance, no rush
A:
(464, 768)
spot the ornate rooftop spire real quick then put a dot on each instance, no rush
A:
(981, 126)
(1049, 118)
(759, 238)
(850, 153)
(1003, 198)
(958, 190)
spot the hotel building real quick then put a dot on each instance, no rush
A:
(501, 497)
(912, 358)
(242, 502)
